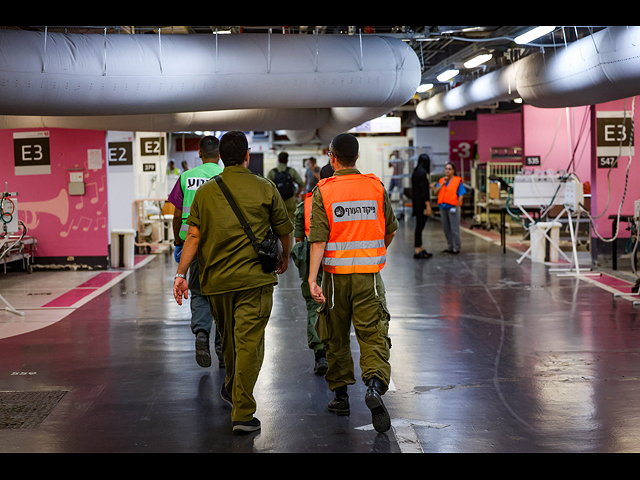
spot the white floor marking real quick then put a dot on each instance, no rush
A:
(406, 435)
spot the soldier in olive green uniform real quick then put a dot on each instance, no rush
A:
(300, 255)
(239, 292)
(352, 298)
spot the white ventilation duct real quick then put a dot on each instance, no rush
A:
(171, 79)
(599, 68)
(498, 86)
(244, 120)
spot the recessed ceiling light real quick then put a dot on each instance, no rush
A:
(478, 60)
(531, 35)
(448, 75)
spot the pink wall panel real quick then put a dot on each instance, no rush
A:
(462, 139)
(498, 130)
(64, 225)
(545, 135)
(613, 195)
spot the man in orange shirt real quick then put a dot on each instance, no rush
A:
(352, 224)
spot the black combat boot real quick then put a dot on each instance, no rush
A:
(340, 404)
(321, 365)
(373, 399)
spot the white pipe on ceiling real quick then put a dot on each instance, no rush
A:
(222, 120)
(599, 68)
(172, 79)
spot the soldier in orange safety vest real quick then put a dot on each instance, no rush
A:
(352, 225)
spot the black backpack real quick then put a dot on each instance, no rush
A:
(284, 182)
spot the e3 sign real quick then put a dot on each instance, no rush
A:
(615, 137)
(32, 154)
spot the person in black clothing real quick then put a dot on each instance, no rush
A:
(421, 202)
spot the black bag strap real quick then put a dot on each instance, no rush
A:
(236, 210)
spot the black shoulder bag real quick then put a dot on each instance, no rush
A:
(270, 250)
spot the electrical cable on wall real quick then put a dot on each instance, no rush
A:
(563, 177)
(626, 182)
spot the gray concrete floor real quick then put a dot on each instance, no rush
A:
(488, 356)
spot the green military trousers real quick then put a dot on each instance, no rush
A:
(244, 315)
(358, 299)
(300, 255)
(313, 341)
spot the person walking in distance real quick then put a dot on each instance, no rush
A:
(289, 183)
(421, 203)
(352, 225)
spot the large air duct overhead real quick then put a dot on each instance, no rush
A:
(599, 68)
(158, 78)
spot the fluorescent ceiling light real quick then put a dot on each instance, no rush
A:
(448, 75)
(531, 35)
(425, 87)
(478, 60)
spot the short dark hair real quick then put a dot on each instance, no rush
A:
(345, 148)
(283, 157)
(209, 146)
(233, 148)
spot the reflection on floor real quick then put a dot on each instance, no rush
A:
(488, 356)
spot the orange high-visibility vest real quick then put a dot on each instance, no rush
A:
(308, 201)
(449, 193)
(354, 206)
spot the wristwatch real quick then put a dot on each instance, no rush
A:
(179, 275)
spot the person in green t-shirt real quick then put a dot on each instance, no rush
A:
(182, 197)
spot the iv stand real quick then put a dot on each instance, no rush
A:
(574, 241)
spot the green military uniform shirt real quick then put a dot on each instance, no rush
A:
(228, 261)
(319, 226)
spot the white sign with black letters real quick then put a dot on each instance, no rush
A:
(31, 153)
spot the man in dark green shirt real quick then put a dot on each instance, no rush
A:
(239, 292)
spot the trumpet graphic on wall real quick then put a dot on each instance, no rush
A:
(58, 207)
